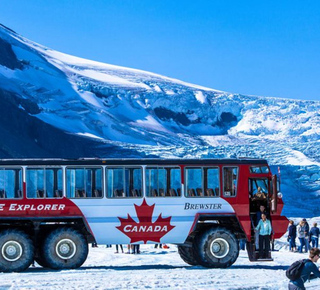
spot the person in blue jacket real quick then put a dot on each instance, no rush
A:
(262, 210)
(292, 236)
(314, 235)
(308, 268)
(265, 229)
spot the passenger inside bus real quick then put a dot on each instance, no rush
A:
(191, 192)
(161, 192)
(135, 193)
(172, 192)
(18, 194)
(97, 193)
(58, 193)
(119, 193)
(259, 194)
(80, 193)
(154, 192)
(211, 193)
(3, 193)
(41, 193)
(199, 192)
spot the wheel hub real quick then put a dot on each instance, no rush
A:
(219, 248)
(11, 251)
(66, 249)
(216, 247)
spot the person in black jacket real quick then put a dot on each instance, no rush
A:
(307, 235)
(314, 235)
(292, 236)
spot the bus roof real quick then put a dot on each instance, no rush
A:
(127, 161)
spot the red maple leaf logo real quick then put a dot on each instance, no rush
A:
(145, 230)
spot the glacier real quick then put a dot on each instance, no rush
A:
(61, 106)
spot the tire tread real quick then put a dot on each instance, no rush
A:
(51, 260)
(201, 248)
(28, 251)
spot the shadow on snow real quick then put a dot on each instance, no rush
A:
(161, 267)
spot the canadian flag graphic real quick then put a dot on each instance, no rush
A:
(145, 230)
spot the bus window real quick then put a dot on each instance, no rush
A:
(136, 190)
(259, 169)
(230, 181)
(10, 183)
(163, 181)
(156, 182)
(44, 182)
(97, 182)
(193, 181)
(84, 182)
(175, 182)
(124, 182)
(202, 182)
(212, 181)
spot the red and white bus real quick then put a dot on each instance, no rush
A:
(51, 209)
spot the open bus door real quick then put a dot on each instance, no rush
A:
(253, 251)
(274, 197)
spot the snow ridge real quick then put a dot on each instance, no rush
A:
(147, 114)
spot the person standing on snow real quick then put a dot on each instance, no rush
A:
(306, 235)
(262, 210)
(265, 229)
(292, 236)
(308, 268)
(314, 235)
(301, 231)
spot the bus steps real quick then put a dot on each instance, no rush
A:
(254, 255)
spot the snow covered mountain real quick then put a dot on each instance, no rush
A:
(57, 105)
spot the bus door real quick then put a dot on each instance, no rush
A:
(259, 192)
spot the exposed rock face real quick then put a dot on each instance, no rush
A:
(8, 57)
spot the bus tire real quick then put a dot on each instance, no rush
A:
(216, 248)
(16, 251)
(187, 255)
(64, 248)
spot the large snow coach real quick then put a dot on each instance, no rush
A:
(50, 209)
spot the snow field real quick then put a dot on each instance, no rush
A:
(158, 269)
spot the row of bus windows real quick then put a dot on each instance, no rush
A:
(121, 182)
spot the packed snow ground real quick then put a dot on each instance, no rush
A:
(161, 269)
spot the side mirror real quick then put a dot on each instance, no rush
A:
(274, 198)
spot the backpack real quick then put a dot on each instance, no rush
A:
(294, 271)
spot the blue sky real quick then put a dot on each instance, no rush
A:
(266, 48)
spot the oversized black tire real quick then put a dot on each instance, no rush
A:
(216, 248)
(16, 251)
(64, 248)
(187, 254)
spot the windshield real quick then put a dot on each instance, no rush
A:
(259, 169)
(259, 185)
